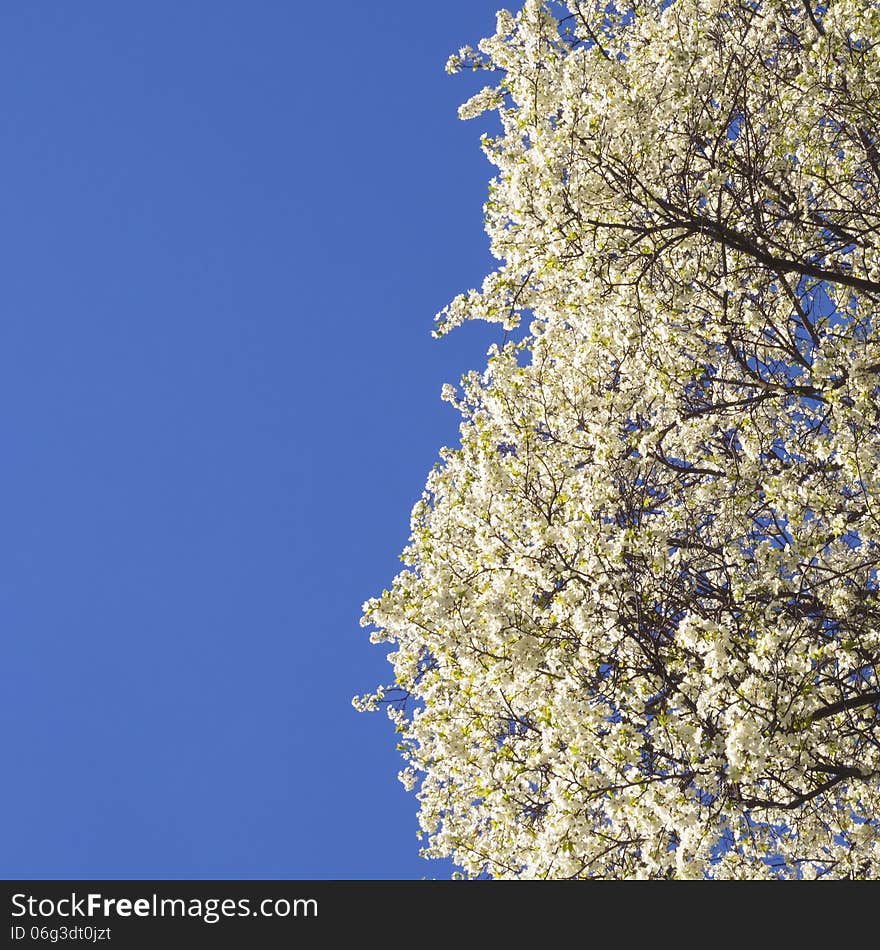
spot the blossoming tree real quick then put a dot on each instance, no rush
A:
(638, 630)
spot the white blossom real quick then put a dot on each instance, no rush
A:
(637, 634)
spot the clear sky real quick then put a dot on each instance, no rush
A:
(225, 229)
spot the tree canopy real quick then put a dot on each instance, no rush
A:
(637, 633)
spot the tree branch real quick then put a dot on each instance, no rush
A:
(854, 702)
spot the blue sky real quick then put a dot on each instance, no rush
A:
(225, 230)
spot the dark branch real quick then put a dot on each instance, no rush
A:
(854, 702)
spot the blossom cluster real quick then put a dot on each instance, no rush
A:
(637, 634)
